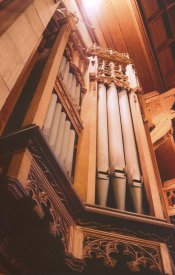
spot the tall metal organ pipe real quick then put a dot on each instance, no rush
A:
(65, 143)
(59, 137)
(133, 169)
(102, 148)
(55, 125)
(116, 152)
(49, 114)
(70, 152)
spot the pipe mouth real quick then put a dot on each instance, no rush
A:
(136, 183)
(102, 175)
(119, 174)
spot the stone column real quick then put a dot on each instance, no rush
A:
(65, 143)
(102, 148)
(62, 66)
(70, 153)
(133, 169)
(49, 115)
(55, 124)
(59, 136)
(116, 153)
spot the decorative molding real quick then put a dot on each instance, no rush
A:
(118, 82)
(109, 54)
(71, 110)
(169, 195)
(123, 230)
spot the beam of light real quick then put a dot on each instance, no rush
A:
(90, 4)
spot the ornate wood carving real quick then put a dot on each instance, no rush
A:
(47, 201)
(109, 54)
(169, 194)
(111, 66)
(140, 254)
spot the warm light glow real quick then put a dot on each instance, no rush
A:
(89, 4)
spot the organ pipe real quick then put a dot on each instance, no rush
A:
(62, 66)
(55, 124)
(102, 148)
(59, 137)
(70, 152)
(116, 152)
(49, 114)
(133, 169)
(65, 143)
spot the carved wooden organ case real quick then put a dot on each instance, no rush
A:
(81, 164)
(160, 112)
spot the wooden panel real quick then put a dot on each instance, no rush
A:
(85, 169)
(52, 5)
(165, 155)
(4, 92)
(11, 61)
(10, 11)
(43, 11)
(150, 7)
(157, 38)
(34, 20)
(171, 13)
(22, 34)
(161, 32)
(137, 44)
(166, 61)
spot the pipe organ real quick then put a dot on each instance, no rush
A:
(118, 161)
(62, 123)
(83, 165)
(124, 170)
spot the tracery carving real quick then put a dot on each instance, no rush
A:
(139, 255)
(37, 155)
(47, 203)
